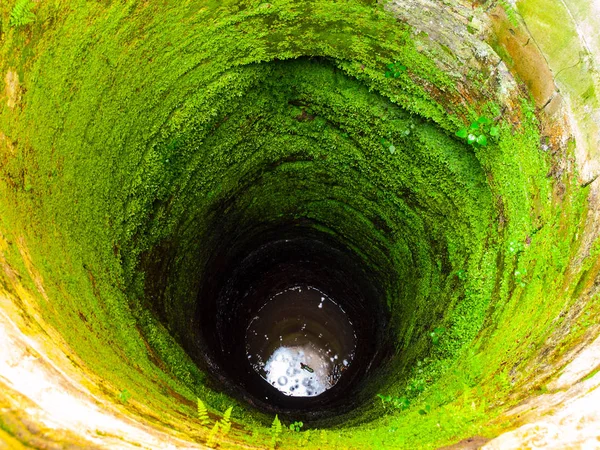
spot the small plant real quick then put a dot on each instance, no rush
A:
(203, 413)
(124, 396)
(425, 410)
(275, 432)
(461, 274)
(395, 70)
(400, 403)
(384, 399)
(21, 14)
(212, 436)
(389, 145)
(225, 422)
(296, 426)
(415, 387)
(435, 335)
(478, 132)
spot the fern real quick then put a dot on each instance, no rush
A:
(275, 432)
(323, 437)
(212, 436)
(511, 14)
(21, 14)
(203, 413)
(226, 422)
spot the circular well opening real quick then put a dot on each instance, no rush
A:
(291, 321)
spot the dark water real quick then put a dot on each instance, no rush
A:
(301, 342)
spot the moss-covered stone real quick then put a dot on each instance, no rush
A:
(131, 131)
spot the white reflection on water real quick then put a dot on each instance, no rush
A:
(300, 342)
(298, 371)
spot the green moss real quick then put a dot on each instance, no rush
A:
(144, 125)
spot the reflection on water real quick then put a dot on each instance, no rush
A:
(300, 342)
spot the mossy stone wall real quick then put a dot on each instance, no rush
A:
(139, 135)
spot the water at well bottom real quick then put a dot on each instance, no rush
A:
(300, 342)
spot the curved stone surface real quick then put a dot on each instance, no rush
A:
(139, 140)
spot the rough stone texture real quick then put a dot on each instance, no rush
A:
(44, 395)
(526, 59)
(451, 35)
(567, 33)
(569, 416)
(573, 424)
(54, 410)
(579, 368)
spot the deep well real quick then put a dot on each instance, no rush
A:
(164, 166)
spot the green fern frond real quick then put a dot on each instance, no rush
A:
(21, 14)
(226, 422)
(511, 14)
(212, 436)
(203, 413)
(275, 432)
